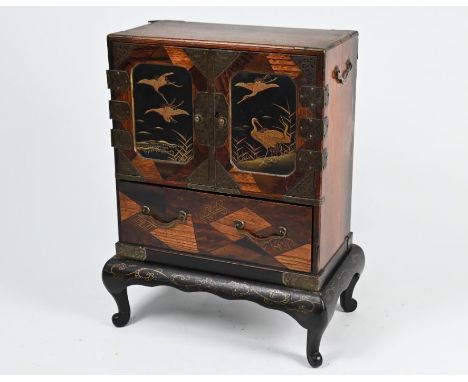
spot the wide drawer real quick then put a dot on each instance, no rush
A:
(267, 234)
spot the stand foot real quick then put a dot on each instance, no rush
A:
(314, 337)
(315, 359)
(121, 318)
(347, 302)
(117, 287)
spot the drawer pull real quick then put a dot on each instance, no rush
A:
(180, 219)
(338, 76)
(240, 226)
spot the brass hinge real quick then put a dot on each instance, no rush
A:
(117, 80)
(314, 96)
(130, 251)
(313, 128)
(309, 160)
(119, 110)
(121, 139)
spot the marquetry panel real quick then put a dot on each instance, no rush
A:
(149, 215)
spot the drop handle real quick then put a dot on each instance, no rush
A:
(262, 240)
(341, 77)
(180, 219)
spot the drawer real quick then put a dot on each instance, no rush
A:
(267, 234)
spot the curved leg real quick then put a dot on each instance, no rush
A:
(347, 302)
(315, 323)
(314, 336)
(123, 316)
(118, 290)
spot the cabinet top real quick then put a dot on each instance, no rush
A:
(234, 36)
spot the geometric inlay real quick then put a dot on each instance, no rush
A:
(146, 168)
(282, 63)
(298, 258)
(178, 57)
(180, 237)
(256, 256)
(245, 180)
(128, 207)
(253, 222)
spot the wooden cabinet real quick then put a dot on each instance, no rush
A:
(234, 148)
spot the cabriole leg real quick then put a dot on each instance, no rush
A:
(123, 316)
(347, 302)
(314, 336)
(118, 290)
(315, 322)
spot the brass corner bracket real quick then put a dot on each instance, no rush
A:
(130, 251)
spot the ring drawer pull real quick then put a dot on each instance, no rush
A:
(180, 219)
(338, 76)
(240, 226)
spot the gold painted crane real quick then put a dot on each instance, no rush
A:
(168, 111)
(270, 138)
(259, 85)
(158, 82)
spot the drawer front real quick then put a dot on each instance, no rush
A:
(267, 234)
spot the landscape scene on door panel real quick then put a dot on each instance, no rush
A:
(263, 123)
(162, 102)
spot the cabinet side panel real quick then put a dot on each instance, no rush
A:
(335, 212)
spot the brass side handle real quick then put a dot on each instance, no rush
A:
(180, 219)
(240, 226)
(341, 77)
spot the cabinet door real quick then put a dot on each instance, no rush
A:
(156, 94)
(265, 151)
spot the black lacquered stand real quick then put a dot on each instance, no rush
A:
(312, 310)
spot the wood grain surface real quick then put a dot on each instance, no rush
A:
(210, 225)
(244, 37)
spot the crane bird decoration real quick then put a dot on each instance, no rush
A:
(270, 139)
(259, 85)
(158, 82)
(168, 111)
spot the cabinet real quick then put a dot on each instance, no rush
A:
(220, 120)
(233, 159)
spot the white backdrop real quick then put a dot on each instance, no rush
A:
(58, 218)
